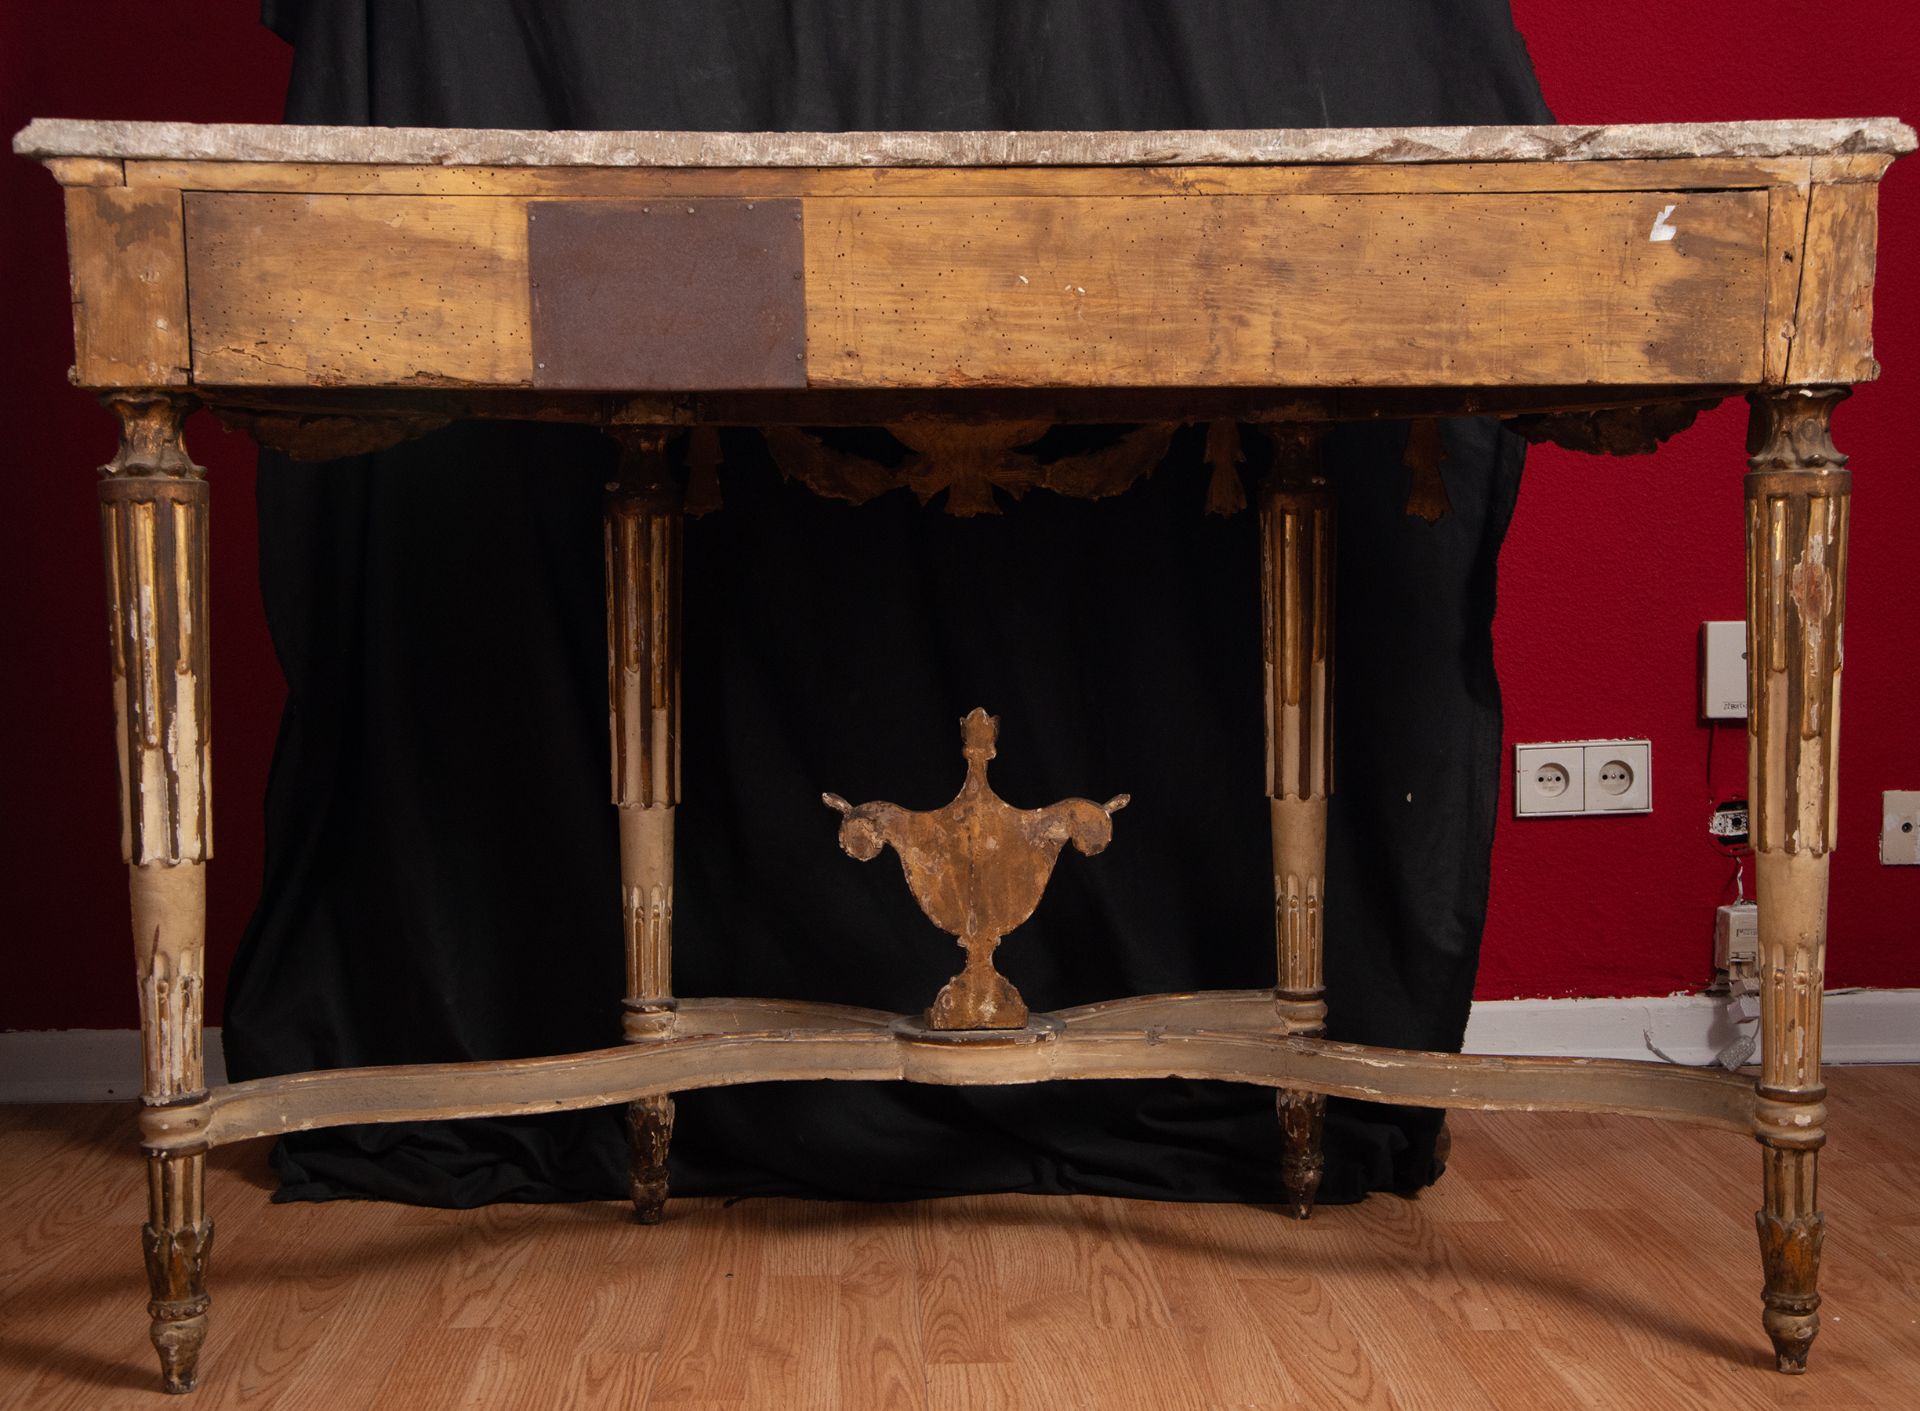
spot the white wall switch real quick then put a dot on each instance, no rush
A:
(1582, 776)
(1900, 827)
(1723, 671)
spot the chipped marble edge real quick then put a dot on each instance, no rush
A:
(424, 146)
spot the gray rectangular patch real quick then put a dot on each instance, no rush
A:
(701, 295)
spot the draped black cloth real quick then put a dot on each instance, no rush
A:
(441, 877)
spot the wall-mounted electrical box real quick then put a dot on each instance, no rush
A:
(1723, 671)
(1582, 776)
(1900, 827)
(1736, 939)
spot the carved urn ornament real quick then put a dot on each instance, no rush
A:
(977, 867)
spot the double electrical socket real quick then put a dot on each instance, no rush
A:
(1582, 776)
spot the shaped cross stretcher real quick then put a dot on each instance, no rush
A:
(977, 867)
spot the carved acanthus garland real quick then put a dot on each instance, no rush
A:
(970, 461)
(1426, 487)
(318, 436)
(1612, 431)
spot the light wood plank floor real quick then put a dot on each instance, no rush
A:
(1564, 1262)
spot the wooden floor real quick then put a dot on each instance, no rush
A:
(1563, 1262)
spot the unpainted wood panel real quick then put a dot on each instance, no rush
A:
(1336, 291)
(1786, 246)
(358, 290)
(88, 171)
(1833, 328)
(127, 262)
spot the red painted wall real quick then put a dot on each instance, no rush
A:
(1596, 643)
(1591, 643)
(63, 890)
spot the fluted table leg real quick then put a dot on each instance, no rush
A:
(643, 531)
(1296, 591)
(1797, 500)
(153, 533)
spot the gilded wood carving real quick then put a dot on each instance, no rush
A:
(1296, 593)
(1798, 494)
(977, 867)
(153, 522)
(970, 461)
(642, 521)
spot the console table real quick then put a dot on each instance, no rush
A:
(335, 290)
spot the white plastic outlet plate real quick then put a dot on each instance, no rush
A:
(1723, 671)
(1582, 776)
(1900, 827)
(1548, 780)
(1619, 776)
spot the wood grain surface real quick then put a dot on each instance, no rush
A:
(363, 290)
(1382, 291)
(1059, 290)
(1532, 1275)
(129, 272)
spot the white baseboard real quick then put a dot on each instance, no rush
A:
(83, 1065)
(1859, 1026)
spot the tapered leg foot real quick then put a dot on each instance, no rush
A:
(177, 1240)
(1790, 1254)
(1301, 1162)
(649, 1134)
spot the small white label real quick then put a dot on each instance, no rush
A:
(1661, 230)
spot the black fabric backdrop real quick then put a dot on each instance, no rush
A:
(441, 877)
